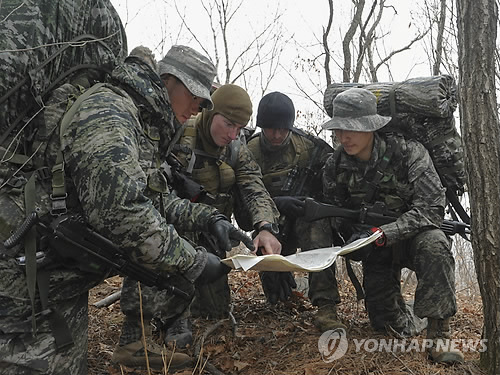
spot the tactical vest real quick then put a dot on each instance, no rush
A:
(392, 187)
(277, 167)
(216, 175)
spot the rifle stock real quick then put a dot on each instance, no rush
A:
(75, 242)
(374, 215)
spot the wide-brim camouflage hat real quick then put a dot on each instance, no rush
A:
(356, 110)
(193, 69)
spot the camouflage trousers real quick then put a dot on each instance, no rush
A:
(323, 287)
(429, 255)
(21, 352)
(158, 304)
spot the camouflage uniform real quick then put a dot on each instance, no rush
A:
(410, 186)
(227, 173)
(112, 153)
(25, 25)
(276, 164)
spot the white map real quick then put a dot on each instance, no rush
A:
(311, 261)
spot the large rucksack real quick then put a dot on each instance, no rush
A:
(43, 45)
(421, 109)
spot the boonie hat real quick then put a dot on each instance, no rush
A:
(356, 110)
(193, 69)
(276, 111)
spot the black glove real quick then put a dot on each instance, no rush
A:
(367, 233)
(214, 270)
(227, 235)
(277, 285)
(290, 206)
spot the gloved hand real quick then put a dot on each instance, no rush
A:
(227, 235)
(277, 285)
(367, 233)
(290, 206)
(214, 269)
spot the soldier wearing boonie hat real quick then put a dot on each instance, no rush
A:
(193, 69)
(376, 169)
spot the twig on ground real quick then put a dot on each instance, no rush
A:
(199, 345)
(109, 300)
(404, 364)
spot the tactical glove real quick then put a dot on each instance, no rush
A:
(379, 242)
(290, 206)
(214, 270)
(277, 285)
(227, 235)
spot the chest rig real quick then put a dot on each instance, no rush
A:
(215, 173)
(280, 166)
(386, 181)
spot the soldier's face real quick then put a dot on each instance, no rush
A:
(357, 144)
(275, 136)
(184, 104)
(223, 131)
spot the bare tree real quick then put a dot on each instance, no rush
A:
(439, 39)
(477, 31)
(254, 60)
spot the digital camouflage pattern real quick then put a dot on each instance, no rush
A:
(112, 150)
(33, 30)
(411, 187)
(276, 164)
(30, 33)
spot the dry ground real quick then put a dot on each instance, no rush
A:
(280, 340)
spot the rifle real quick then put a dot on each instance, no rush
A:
(294, 186)
(375, 215)
(184, 186)
(75, 242)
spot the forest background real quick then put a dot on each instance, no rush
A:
(299, 48)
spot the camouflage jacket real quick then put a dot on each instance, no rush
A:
(409, 185)
(113, 150)
(228, 177)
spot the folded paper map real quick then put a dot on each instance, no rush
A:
(311, 261)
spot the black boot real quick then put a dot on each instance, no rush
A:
(180, 332)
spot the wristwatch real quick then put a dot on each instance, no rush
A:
(270, 227)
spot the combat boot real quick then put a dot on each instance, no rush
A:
(326, 318)
(441, 351)
(133, 355)
(180, 333)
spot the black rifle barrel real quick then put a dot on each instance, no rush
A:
(315, 210)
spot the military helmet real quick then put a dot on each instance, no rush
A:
(356, 110)
(276, 110)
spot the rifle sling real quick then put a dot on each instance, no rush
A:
(360, 293)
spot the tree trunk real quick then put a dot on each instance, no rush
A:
(477, 30)
(439, 39)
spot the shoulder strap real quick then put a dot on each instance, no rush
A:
(58, 195)
(379, 172)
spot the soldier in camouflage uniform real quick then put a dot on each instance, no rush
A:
(399, 174)
(111, 151)
(187, 76)
(212, 154)
(35, 54)
(288, 157)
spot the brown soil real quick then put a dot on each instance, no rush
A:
(282, 339)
